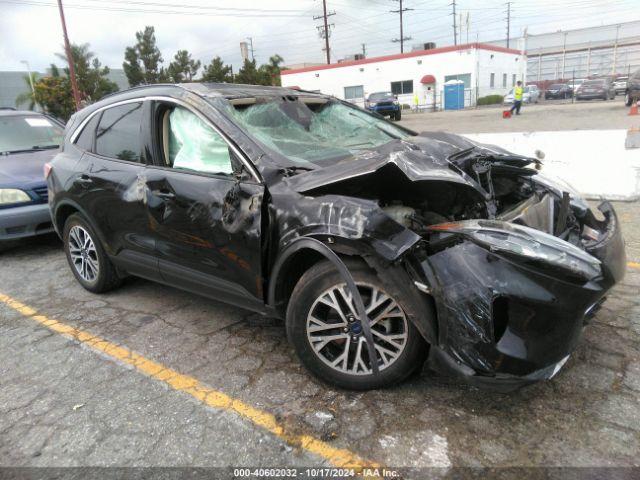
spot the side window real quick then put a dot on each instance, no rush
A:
(85, 139)
(118, 134)
(190, 144)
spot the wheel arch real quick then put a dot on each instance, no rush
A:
(64, 210)
(302, 254)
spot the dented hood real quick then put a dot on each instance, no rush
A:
(423, 157)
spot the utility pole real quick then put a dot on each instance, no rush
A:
(455, 29)
(467, 26)
(615, 51)
(508, 22)
(253, 58)
(324, 30)
(364, 50)
(402, 37)
(67, 48)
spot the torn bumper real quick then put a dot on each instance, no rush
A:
(505, 322)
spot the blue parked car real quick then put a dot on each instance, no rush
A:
(28, 140)
(385, 104)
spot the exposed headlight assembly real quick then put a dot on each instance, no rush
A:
(528, 246)
(10, 196)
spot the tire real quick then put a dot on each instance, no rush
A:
(305, 304)
(628, 100)
(398, 116)
(86, 256)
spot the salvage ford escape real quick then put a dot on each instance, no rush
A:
(378, 247)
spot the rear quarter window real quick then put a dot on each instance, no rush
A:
(118, 133)
(86, 138)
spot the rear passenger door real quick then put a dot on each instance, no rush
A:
(113, 187)
(205, 207)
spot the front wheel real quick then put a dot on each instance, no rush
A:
(627, 99)
(326, 332)
(87, 259)
(397, 116)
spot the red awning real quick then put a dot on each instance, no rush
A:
(428, 79)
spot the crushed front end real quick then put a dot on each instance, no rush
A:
(512, 301)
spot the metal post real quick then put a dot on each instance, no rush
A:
(33, 90)
(67, 48)
(564, 53)
(615, 52)
(539, 66)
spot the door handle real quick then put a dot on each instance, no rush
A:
(84, 178)
(167, 195)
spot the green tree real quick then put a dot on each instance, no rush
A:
(53, 93)
(143, 61)
(272, 69)
(251, 75)
(91, 76)
(28, 97)
(183, 67)
(217, 71)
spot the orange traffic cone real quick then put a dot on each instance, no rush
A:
(634, 109)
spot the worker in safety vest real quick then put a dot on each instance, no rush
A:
(517, 97)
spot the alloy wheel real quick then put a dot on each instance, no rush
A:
(335, 332)
(83, 253)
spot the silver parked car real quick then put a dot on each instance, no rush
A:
(531, 94)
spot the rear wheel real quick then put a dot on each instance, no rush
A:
(87, 259)
(324, 328)
(398, 116)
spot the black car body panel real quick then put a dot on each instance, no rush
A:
(505, 315)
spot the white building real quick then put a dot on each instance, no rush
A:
(484, 69)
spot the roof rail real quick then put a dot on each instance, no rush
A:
(138, 87)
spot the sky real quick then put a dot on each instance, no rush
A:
(30, 29)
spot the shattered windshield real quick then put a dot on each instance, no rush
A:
(313, 132)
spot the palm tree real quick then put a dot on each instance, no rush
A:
(28, 97)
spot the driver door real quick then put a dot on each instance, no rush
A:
(205, 209)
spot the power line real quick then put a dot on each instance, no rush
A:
(402, 37)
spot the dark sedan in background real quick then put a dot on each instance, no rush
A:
(598, 88)
(558, 90)
(28, 140)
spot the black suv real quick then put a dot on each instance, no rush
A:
(377, 246)
(632, 92)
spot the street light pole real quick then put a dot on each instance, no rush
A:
(67, 48)
(33, 90)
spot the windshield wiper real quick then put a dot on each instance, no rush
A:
(32, 149)
(44, 147)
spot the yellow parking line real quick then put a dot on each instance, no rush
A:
(633, 264)
(338, 457)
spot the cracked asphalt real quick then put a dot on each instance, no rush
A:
(63, 404)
